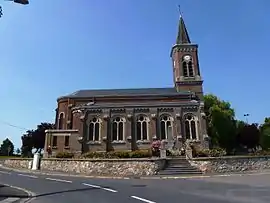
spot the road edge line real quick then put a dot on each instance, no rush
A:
(31, 197)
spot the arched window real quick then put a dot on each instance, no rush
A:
(191, 127)
(61, 121)
(94, 129)
(166, 127)
(118, 126)
(142, 128)
(185, 69)
(188, 69)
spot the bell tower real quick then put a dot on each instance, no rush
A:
(186, 71)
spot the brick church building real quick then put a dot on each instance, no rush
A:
(129, 119)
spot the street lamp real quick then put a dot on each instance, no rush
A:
(246, 115)
(23, 2)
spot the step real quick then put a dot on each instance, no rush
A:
(179, 173)
(179, 165)
(181, 169)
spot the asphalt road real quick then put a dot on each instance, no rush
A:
(10, 194)
(60, 189)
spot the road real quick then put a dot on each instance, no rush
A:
(61, 189)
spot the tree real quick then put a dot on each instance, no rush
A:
(265, 134)
(39, 135)
(18, 151)
(7, 148)
(35, 139)
(221, 125)
(27, 144)
(249, 136)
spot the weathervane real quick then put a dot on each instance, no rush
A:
(179, 9)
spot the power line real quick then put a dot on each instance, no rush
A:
(14, 126)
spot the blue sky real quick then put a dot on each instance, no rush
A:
(52, 48)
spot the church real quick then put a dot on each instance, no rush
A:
(130, 119)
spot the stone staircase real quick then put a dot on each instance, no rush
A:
(179, 166)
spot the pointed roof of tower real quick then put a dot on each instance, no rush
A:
(182, 37)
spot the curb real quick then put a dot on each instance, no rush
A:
(29, 199)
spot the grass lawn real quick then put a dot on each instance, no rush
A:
(8, 157)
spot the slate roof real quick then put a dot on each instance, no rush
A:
(183, 36)
(125, 92)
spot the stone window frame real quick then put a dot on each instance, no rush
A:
(171, 119)
(88, 123)
(147, 120)
(188, 67)
(194, 119)
(61, 117)
(123, 120)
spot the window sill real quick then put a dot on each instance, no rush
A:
(143, 142)
(118, 142)
(66, 147)
(54, 147)
(94, 142)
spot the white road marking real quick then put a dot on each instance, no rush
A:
(59, 180)
(94, 186)
(9, 200)
(142, 199)
(5, 172)
(108, 189)
(29, 176)
(99, 187)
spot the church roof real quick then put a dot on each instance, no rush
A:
(125, 92)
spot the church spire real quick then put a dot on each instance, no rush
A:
(182, 37)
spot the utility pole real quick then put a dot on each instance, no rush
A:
(23, 2)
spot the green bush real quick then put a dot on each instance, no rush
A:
(62, 155)
(215, 152)
(118, 154)
(261, 153)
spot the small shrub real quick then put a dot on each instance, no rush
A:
(118, 154)
(217, 152)
(62, 155)
(169, 153)
(140, 154)
(261, 153)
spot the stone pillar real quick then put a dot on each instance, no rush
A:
(178, 131)
(83, 118)
(153, 125)
(47, 143)
(129, 130)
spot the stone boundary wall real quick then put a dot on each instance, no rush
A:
(100, 167)
(231, 164)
